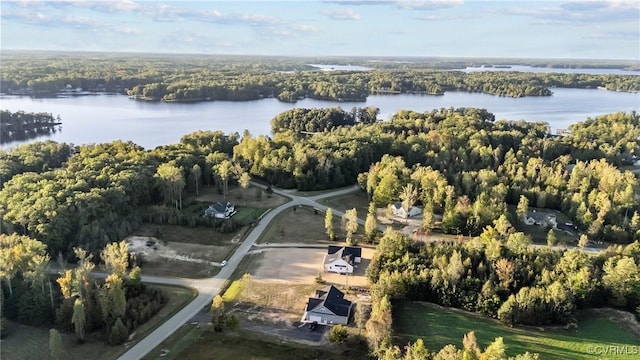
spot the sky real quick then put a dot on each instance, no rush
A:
(565, 29)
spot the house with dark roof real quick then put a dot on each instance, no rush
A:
(341, 259)
(327, 307)
(220, 210)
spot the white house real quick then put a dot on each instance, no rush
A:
(398, 210)
(220, 210)
(328, 306)
(341, 260)
(540, 218)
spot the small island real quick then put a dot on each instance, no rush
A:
(21, 125)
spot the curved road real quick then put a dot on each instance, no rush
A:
(209, 288)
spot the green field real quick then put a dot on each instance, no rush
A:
(191, 342)
(439, 326)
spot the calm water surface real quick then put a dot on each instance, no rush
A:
(105, 118)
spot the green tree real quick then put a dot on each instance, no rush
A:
(552, 238)
(196, 173)
(350, 225)
(223, 170)
(371, 225)
(79, 319)
(328, 224)
(523, 208)
(409, 195)
(416, 351)
(338, 334)
(55, 343)
(583, 241)
(495, 351)
(171, 182)
(115, 258)
(217, 310)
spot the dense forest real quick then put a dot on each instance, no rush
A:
(498, 275)
(464, 166)
(22, 126)
(240, 79)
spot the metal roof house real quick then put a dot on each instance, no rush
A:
(327, 307)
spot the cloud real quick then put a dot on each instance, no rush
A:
(586, 12)
(40, 19)
(403, 4)
(340, 14)
(429, 5)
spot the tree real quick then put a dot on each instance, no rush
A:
(523, 208)
(223, 170)
(552, 239)
(55, 343)
(427, 220)
(196, 172)
(409, 195)
(470, 348)
(416, 351)
(583, 241)
(505, 271)
(119, 333)
(328, 224)
(371, 224)
(244, 180)
(79, 319)
(171, 183)
(115, 257)
(338, 334)
(217, 310)
(622, 278)
(362, 314)
(350, 224)
(495, 350)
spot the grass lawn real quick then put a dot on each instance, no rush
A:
(298, 225)
(439, 326)
(358, 200)
(192, 342)
(25, 342)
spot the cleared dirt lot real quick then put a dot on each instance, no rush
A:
(302, 265)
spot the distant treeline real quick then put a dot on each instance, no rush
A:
(218, 78)
(22, 126)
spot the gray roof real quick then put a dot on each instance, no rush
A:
(332, 299)
(217, 208)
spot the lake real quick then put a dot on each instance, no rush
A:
(105, 118)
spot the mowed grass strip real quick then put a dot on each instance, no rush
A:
(439, 326)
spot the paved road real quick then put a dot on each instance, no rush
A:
(209, 288)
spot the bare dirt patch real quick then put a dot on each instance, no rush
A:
(177, 259)
(302, 266)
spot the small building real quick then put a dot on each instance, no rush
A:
(220, 210)
(398, 210)
(341, 259)
(540, 218)
(327, 307)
